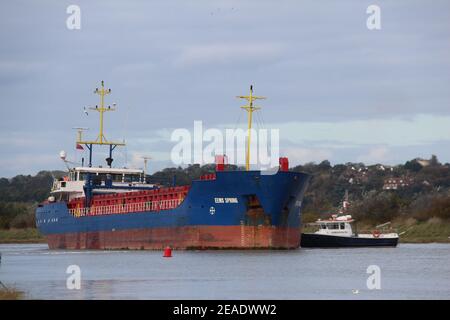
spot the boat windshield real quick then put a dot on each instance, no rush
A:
(333, 226)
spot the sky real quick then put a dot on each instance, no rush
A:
(335, 89)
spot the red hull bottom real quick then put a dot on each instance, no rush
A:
(200, 237)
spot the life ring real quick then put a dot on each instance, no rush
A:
(376, 233)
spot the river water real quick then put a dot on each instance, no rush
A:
(410, 271)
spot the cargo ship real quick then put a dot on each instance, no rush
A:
(116, 208)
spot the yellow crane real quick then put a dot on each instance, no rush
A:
(101, 139)
(250, 108)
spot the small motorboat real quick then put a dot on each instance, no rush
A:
(337, 232)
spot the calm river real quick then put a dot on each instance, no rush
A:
(410, 271)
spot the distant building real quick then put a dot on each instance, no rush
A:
(396, 183)
(423, 162)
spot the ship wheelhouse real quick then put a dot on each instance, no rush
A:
(337, 226)
(72, 186)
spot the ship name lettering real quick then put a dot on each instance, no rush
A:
(226, 200)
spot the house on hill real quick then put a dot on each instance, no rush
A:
(397, 183)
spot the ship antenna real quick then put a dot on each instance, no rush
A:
(146, 158)
(102, 92)
(249, 108)
(80, 132)
(345, 202)
(101, 139)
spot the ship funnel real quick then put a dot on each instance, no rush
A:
(221, 161)
(284, 164)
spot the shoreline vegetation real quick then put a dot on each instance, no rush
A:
(9, 293)
(16, 236)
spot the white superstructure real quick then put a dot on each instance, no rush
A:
(71, 186)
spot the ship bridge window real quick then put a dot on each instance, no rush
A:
(97, 180)
(333, 226)
(117, 177)
(342, 226)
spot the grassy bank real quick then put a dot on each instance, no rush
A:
(10, 293)
(433, 230)
(29, 235)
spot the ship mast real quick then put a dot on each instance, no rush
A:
(250, 108)
(101, 139)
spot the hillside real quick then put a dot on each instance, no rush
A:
(380, 193)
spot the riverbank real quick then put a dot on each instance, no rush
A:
(28, 235)
(433, 230)
(10, 293)
(410, 230)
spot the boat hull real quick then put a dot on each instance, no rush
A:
(311, 240)
(237, 210)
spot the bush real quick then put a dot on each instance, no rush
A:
(310, 217)
(10, 210)
(22, 221)
(377, 207)
(432, 206)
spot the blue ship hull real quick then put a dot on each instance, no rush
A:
(219, 214)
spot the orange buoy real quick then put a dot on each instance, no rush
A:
(167, 252)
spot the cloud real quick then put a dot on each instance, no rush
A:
(417, 130)
(298, 155)
(228, 53)
(28, 163)
(13, 71)
(335, 88)
(379, 154)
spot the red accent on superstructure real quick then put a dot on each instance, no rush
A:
(284, 164)
(220, 162)
(145, 200)
(188, 237)
(209, 176)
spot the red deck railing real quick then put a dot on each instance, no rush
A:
(127, 208)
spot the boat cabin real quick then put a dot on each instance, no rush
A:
(337, 226)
